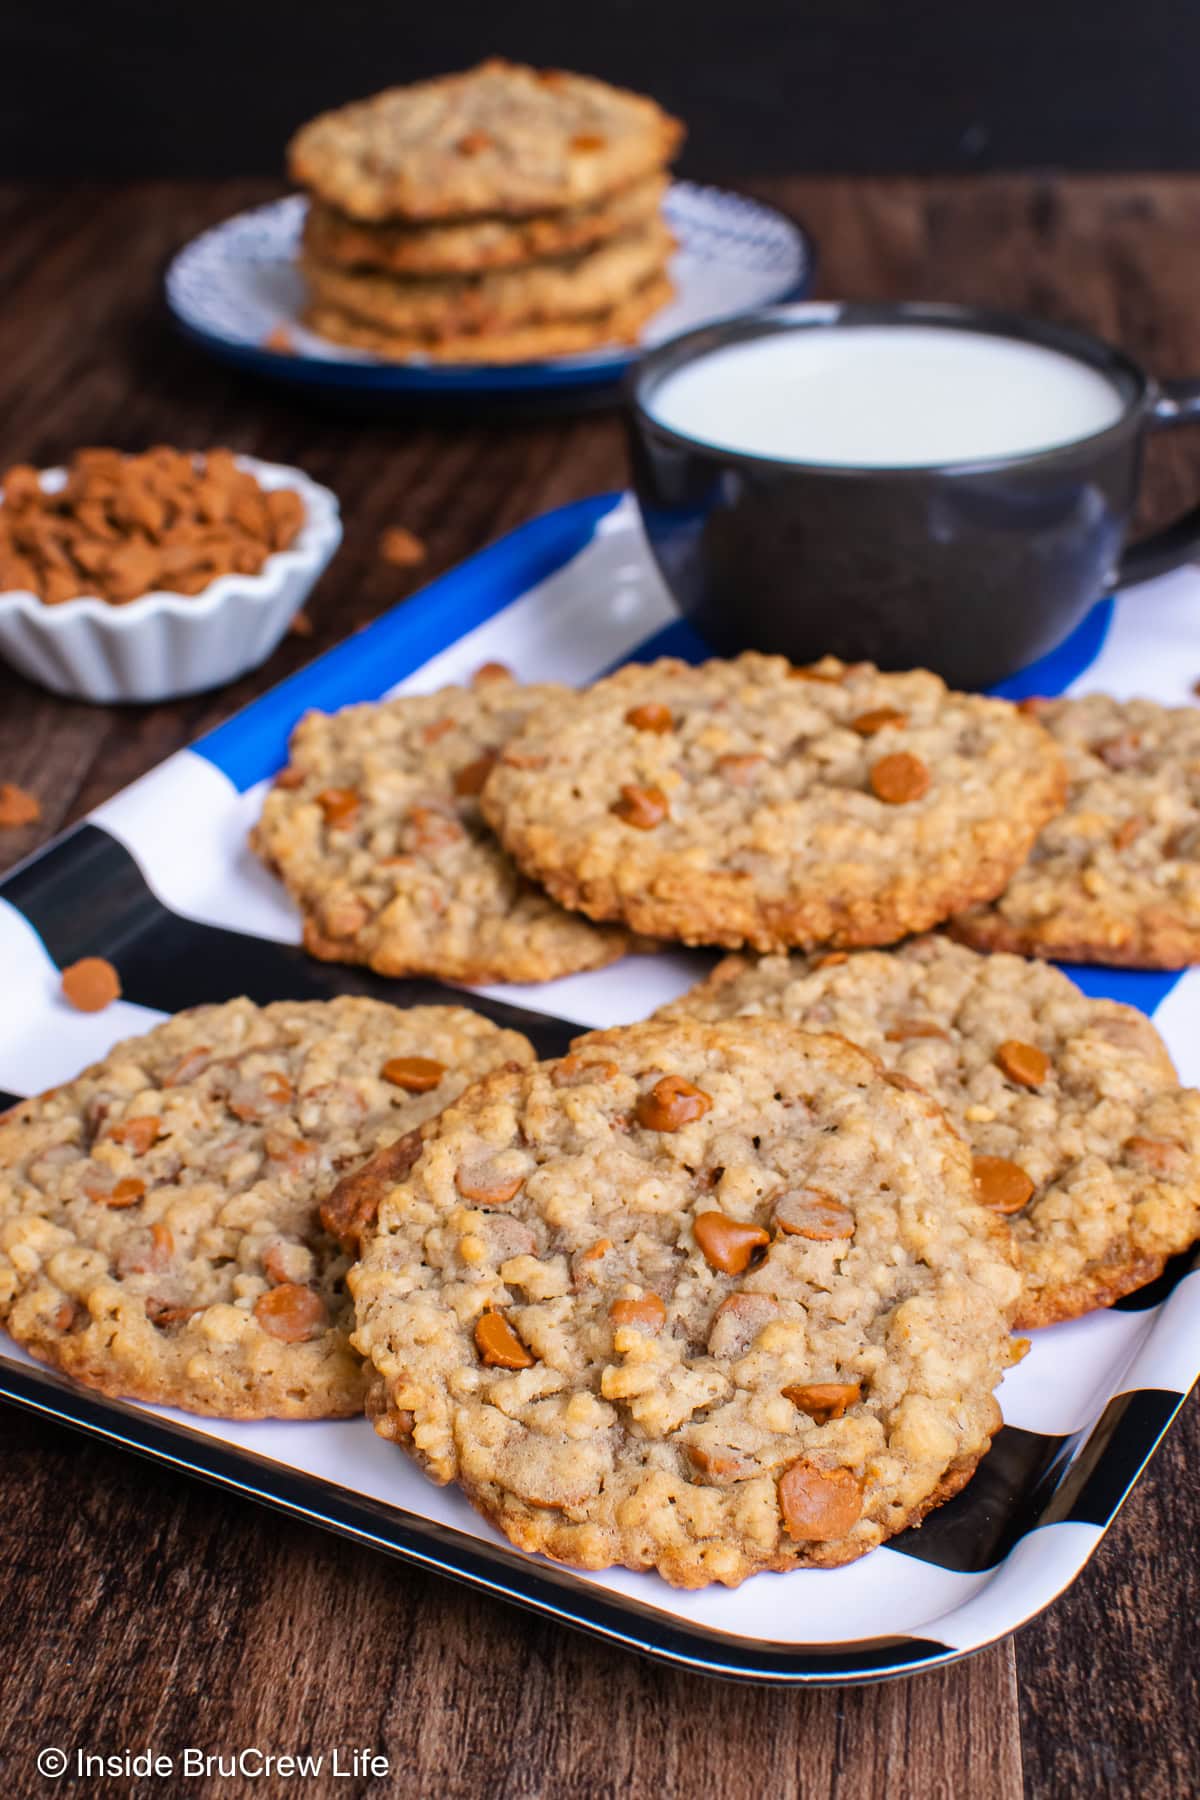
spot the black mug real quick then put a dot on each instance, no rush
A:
(973, 569)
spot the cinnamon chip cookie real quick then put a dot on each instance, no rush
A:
(1116, 877)
(706, 1299)
(469, 246)
(159, 1227)
(1081, 1132)
(620, 324)
(497, 139)
(751, 802)
(375, 829)
(567, 287)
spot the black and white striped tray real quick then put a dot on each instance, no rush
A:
(160, 881)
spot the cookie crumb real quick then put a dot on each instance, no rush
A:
(280, 339)
(91, 984)
(401, 547)
(18, 806)
(301, 625)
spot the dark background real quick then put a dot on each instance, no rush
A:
(118, 88)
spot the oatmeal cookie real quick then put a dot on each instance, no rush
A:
(469, 246)
(159, 1228)
(375, 829)
(569, 287)
(752, 802)
(706, 1299)
(1116, 877)
(500, 138)
(1081, 1132)
(621, 324)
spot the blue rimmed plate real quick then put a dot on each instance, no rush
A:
(230, 288)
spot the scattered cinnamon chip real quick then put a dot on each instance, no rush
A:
(280, 339)
(91, 984)
(301, 625)
(17, 805)
(401, 547)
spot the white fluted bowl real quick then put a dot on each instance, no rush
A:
(163, 645)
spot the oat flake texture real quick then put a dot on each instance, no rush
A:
(376, 831)
(159, 1236)
(700, 1298)
(1115, 878)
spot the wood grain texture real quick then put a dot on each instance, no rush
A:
(170, 1615)
(139, 1607)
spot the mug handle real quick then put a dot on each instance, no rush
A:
(1177, 403)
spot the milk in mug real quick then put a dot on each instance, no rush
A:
(888, 396)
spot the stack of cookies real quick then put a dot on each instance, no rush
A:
(500, 215)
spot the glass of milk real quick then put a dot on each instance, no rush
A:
(919, 485)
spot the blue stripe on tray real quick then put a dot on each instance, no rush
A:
(253, 744)
(1049, 675)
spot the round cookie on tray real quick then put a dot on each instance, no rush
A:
(1115, 878)
(706, 1299)
(375, 829)
(160, 1233)
(751, 802)
(1081, 1133)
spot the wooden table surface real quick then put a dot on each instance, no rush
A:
(141, 1609)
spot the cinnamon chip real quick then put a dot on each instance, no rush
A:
(899, 778)
(491, 671)
(18, 806)
(652, 715)
(641, 807)
(280, 339)
(646, 1312)
(868, 723)
(1003, 1186)
(819, 1504)
(498, 1345)
(728, 1244)
(125, 526)
(401, 547)
(1023, 1063)
(291, 1313)
(91, 984)
(672, 1103)
(301, 625)
(415, 1074)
